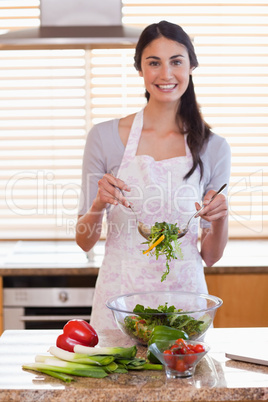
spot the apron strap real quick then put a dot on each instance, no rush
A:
(133, 140)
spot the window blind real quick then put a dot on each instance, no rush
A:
(43, 128)
(18, 14)
(50, 98)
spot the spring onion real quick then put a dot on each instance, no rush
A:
(81, 370)
(139, 364)
(109, 368)
(121, 369)
(94, 362)
(59, 376)
(80, 358)
(117, 352)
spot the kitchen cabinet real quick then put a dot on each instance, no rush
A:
(1, 305)
(244, 298)
(216, 379)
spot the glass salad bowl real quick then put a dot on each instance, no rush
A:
(179, 361)
(136, 314)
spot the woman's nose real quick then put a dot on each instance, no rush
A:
(166, 71)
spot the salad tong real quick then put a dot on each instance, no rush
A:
(143, 229)
(185, 230)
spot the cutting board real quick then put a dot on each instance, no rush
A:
(256, 355)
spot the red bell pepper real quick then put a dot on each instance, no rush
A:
(77, 332)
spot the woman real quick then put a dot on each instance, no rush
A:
(166, 161)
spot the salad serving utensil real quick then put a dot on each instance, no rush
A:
(143, 229)
(146, 230)
(186, 228)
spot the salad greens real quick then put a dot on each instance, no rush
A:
(169, 246)
(142, 324)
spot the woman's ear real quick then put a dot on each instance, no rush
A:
(191, 70)
(140, 73)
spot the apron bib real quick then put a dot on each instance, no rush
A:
(158, 193)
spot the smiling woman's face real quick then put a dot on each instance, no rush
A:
(165, 68)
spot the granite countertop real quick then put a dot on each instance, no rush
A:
(66, 258)
(216, 379)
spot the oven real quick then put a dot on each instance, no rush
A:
(38, 302)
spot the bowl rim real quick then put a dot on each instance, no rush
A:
(196, 342)
(216, 299)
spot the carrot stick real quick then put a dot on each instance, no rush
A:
(158, 241)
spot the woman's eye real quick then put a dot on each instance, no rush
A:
(176, 62)
(154, 63)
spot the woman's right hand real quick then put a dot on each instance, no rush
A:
(110, 192)
(88, 228)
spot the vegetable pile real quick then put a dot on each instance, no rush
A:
(97, 363)
(142, 324)
(74, 358)
(163, 240)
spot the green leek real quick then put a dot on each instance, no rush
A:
(81, 370)
(139, 364)
(89, 362)
(110, 368)
(117, 352)
(80, 358)
(59, 376)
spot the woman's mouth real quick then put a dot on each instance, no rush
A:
(166, 87)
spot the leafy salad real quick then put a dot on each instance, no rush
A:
(141, 325)
(163, 240)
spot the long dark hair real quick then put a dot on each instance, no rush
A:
(189, 117)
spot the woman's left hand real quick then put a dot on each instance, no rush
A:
(217, 209)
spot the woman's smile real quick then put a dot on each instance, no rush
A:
(166, 87)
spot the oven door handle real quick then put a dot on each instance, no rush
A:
(32, 318)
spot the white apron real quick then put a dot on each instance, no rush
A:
(158, 193)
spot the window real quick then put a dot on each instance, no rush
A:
(49, 99)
